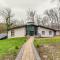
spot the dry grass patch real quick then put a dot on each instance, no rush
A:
(48, 48)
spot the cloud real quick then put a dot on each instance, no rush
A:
(19, 7)
(19, 13)
(3, 3)
(24, 3)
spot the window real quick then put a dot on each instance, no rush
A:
(43, 32)
(12, 32)
(50, 32)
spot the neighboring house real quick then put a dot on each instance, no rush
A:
(31, 29)
(3, 36)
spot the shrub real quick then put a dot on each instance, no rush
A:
(16, 47)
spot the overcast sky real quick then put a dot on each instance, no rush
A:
(20, 7)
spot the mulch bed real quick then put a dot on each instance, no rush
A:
(49, 52)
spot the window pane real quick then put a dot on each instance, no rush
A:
(12, 32)
(50, 32)
(43, 32)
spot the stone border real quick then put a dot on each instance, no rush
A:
(37, 57)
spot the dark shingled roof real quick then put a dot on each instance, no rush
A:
(16, 27)
(47, 27)
(36, 26)
(2, 36)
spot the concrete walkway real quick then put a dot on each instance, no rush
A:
(28, 51)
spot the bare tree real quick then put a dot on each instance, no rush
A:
(30, 15)
(53, 16)
(7, 14)
(45, 21)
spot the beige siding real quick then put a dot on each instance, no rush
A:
(20, 32)
(57, 32)
(9, 34)
(46, 32)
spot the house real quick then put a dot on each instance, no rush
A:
(31, 29)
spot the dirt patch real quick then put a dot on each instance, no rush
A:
(8, 57)
(49, 52)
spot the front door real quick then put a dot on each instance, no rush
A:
(31, 30)
(31, 33)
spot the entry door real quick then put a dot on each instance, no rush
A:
(31, 33)
(30, 30)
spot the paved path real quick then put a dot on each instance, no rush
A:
(28, 52)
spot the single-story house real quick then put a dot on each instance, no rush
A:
(32, 29)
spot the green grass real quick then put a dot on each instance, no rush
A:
(42, 41)
(11, 46)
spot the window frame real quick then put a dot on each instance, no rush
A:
(43, 32)
(50, 32)
(12, 32)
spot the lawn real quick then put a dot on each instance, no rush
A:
(10, 47)
(42, 41)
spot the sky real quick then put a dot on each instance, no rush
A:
(20, 7)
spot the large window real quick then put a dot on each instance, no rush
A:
(50, 32)
(12, 32)
(43, 32)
